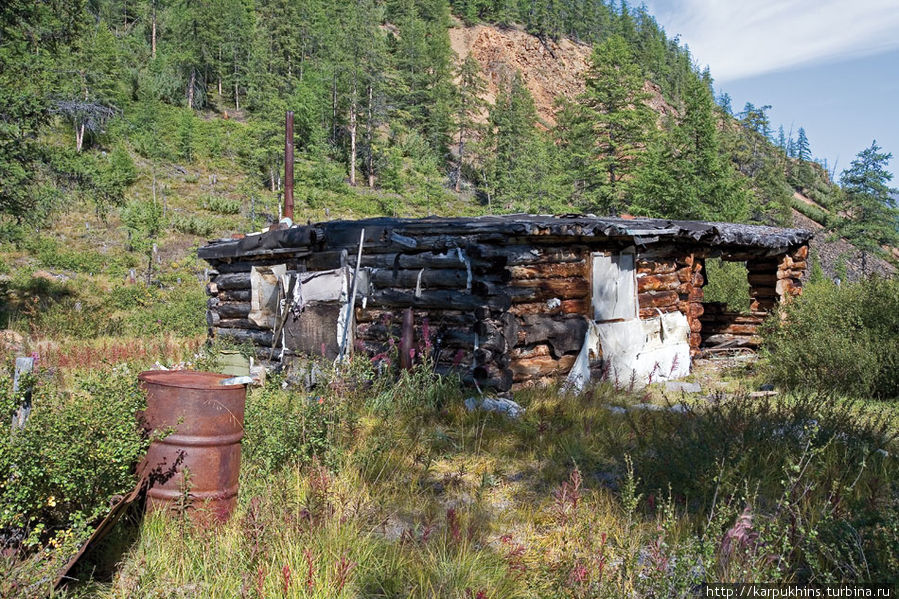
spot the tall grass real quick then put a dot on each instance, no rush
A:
(368, 488)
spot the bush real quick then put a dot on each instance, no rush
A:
(221, 205)
(289, 427)
(193, 225)
(844, 339)
(78, 449)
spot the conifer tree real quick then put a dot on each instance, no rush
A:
(468, 108)
(520, 170)
(871, 215)
(606, 131)
(803, 150)
(685, 175)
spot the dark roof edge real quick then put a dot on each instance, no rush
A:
(645, 231)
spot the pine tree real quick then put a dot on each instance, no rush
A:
(685, 175)
(871, 216)
(469, 106)
(607, 130)
(520, 170)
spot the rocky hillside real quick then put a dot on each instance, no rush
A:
(551, 69)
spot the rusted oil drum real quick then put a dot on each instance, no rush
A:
(196, 426)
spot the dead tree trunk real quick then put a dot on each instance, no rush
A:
(370, 154)
(190, 88)
(352, 131)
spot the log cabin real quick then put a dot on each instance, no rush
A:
(504, 301)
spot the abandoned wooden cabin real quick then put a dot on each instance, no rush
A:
(505, 301)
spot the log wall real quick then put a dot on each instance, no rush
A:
(505, 312)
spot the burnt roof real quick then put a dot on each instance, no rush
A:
(404, 232)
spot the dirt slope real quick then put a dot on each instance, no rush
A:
(550, 69)
(832, 252)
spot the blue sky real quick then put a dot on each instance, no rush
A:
(831, 66)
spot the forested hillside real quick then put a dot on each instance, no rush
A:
(118, 105)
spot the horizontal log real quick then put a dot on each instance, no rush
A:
(790, 274)
(698, 280)
(539, 366)
(233, 309)
(529, 254)
(685, 275)
(239, 323)
(762, 266)
(563, 334)
(568, 287)
(263, 338)
(436, 298)
(448, 260)
(732, 340)
(567, 306)
(326, 260)
(657, 282)
(550, 270)
(533, 351)
(655, 299)
(237, 280)
(763, 279)
(436, 318)
(736, 329)
(656, 267)
(428, 278)
(695, 325)
(234, 295)
(800, 253)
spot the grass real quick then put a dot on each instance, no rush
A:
(396, 490)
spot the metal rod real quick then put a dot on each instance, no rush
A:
(288, 164)
(351, 304)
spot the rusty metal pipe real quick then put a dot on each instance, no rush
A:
(288, 164)
(194, 463)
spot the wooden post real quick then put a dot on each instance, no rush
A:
(23, 366)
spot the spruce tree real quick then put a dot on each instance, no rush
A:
(803, 150)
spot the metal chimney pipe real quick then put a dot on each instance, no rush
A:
(288, 164)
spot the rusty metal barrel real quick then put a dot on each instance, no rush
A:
(196, 425)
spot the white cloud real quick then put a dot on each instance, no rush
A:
(742, 38)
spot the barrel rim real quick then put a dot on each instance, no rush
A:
(157, 377)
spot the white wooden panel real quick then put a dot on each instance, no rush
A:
(614, 286)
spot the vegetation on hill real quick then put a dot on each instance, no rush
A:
(99, 96)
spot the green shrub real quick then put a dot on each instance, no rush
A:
(844, 339)
(53, 254)
(221, 205)
(813, 212)
(728, 282)
(179, 310)
(191, 224)
(290, 427)
(78, 449)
